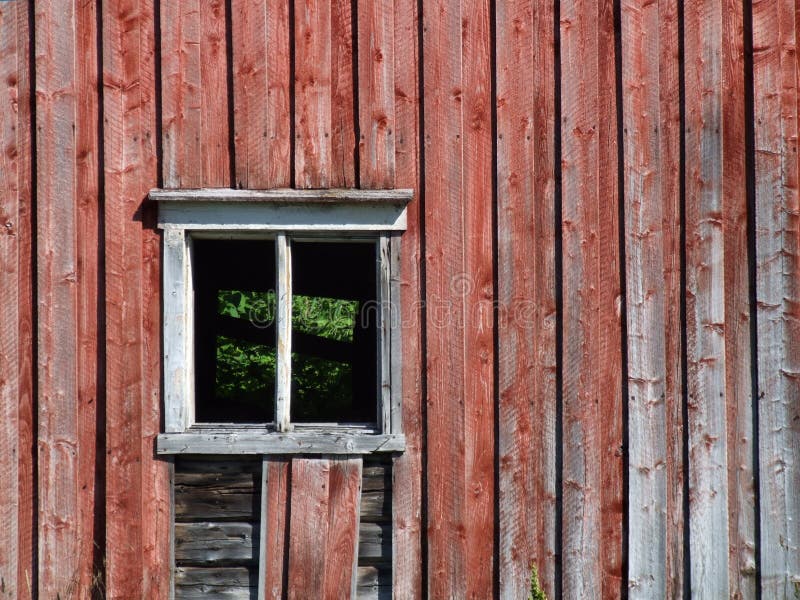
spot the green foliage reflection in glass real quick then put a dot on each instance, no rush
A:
(322, 388)
(246, 371)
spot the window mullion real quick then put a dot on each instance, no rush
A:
(283, 321)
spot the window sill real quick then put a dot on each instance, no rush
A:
(265, 442)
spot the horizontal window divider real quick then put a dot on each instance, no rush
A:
(265, 442)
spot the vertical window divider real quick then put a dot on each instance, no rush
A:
(384, 340)
(283, 332)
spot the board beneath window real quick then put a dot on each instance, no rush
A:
(217, 515)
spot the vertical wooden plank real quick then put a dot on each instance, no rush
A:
(313, 90)
(592, 477)
(344, 145)
(177, 331)
(138, 486)
(720, 425)
(283, 376)
(274, 526)
(526, 287)
(777, 231)
(341, 547)
(407, 532)
(325, 500)
(446, 521)
(458, 189)
(376, 93)
(309, 521)
(651, 136)
(66, 88)
(738, 355)
(16, 307)
(383, 278)
(669, 125)
(261, 83)
(324, 118)
(195, 94)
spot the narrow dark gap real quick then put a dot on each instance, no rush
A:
(356, 119)
(687, 565)
(231, 97)
(750, 190)
(423, 294)
(99, 552)
(623, 283)
(495, 297)
(559, 292)
(34, 221)
(292, 103)
(159, 99)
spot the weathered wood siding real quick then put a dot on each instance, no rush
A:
(600, 286)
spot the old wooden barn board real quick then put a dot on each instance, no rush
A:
(504, 117)
(67, 280)
(323, 532)
(592, 403)
(137, 484)
(17, 500)
(718, 361)
(526, 300)
(651, 137)
(777, 228)
(458, 216)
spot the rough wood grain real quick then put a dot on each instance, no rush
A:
(456, 37)
(778, 303)
(216, 543)
(406, 576)
(324, 527)
(137, 484)
(526, 302)
(261, 84)
(719, 426)
(376, 95)
(651, 137)
(275, 524)
(592, 409)
(67, 251)
(195, 95)
(17, 500)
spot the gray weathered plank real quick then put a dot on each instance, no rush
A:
(216, 543)
(777, 218)
(283, 377)
(283, 216)
(277, 443)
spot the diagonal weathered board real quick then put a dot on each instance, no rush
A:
(526, 301)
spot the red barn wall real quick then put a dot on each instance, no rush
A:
(600, 275)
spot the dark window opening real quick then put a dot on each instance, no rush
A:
(335, 332)
(235, 356)
(335, 322)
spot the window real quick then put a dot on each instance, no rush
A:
(281, 321)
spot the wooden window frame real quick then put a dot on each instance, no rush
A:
(184, 215)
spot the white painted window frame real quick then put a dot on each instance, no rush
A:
(281, 215)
